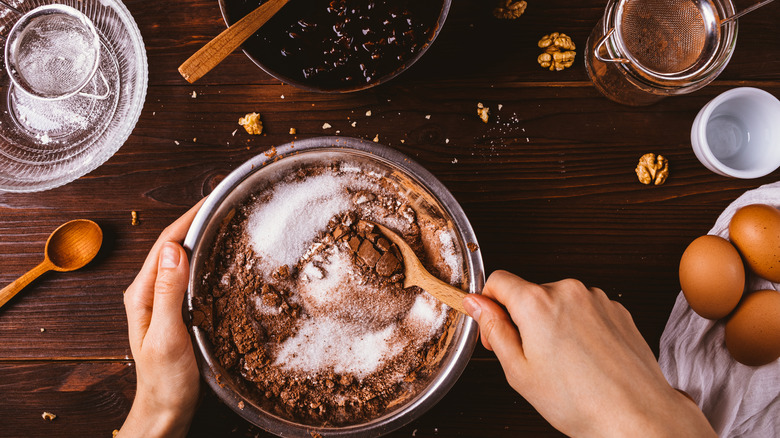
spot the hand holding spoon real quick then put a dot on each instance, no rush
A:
(70, 247)
(415, 274)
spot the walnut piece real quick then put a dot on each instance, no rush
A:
(483, 112)
(509, 9)
(652, 169)
(48, 416)
(251, 122)
(558, 51)
(134, 218)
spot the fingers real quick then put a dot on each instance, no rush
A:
(170, 287)
(497, 331)
(139, 296)
(175, 232)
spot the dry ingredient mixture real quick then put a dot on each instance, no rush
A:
(305, 300)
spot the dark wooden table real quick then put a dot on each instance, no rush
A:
(548, 185)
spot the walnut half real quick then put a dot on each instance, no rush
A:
(251, 122)
(509, 9)
(652, 170)
(558, 51)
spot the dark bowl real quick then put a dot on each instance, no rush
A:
(317, 44)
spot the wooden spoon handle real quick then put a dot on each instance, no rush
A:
(446, 293)
(216, 50)
(12, 289)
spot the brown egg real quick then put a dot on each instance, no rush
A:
(712, 276)
(755, 230)
(753, 331)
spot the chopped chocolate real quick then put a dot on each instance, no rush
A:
(382, 244)
(387, 265)
(354, 243)
(368, 253)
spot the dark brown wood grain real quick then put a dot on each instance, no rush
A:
(548, 185)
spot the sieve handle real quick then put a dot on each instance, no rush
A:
(600, 44)
(99, 96)
(745, 11)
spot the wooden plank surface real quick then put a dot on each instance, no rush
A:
(548, 185)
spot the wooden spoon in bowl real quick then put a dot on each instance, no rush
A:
(70, 247)
(216, 50)
(415, 274)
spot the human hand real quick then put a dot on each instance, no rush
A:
(166, 370)
(578, 358)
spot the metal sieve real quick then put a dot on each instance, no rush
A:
(53, 52)
(644, 50)
(670, 39)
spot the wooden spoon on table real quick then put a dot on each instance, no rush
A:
(70, 247)
(216, 50)
(415, 274)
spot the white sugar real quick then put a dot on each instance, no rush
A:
(450, 256)
(426, 315)
(329, 344)
(328, 286)
(282, 229)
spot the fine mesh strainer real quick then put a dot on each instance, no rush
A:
(53, 52)
(644, 50)
(670, 38)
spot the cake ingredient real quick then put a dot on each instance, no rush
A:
(134, 218)
(652, 170)
(558, 51)
(753, 331)
(305, 304)
(712, 276)
(342, 43)
(509, 9)
(293, 131)
(483, 112)
(251, 122)
(48, 416)
(755, 231)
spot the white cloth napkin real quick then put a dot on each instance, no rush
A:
(738, 400)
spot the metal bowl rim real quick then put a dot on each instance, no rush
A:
(462, 350)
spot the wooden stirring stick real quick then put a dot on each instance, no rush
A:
(216, 50)
(415, 274)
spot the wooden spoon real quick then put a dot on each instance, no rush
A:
(216, 50)
(70, 247)
(415, 274)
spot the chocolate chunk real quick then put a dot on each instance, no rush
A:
(364, 228)
(382, 244)
(387, 265)
(368, 253)
(354, 243)
(372, 237)
(339, 232)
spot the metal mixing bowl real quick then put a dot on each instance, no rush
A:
(428, 196)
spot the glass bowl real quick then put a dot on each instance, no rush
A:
(45, 143)
(306, 46)
(427, 195)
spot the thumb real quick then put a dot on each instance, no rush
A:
(498, 332)
(170, 286)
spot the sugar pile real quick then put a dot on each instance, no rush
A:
(328, 344)
(282, 229)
